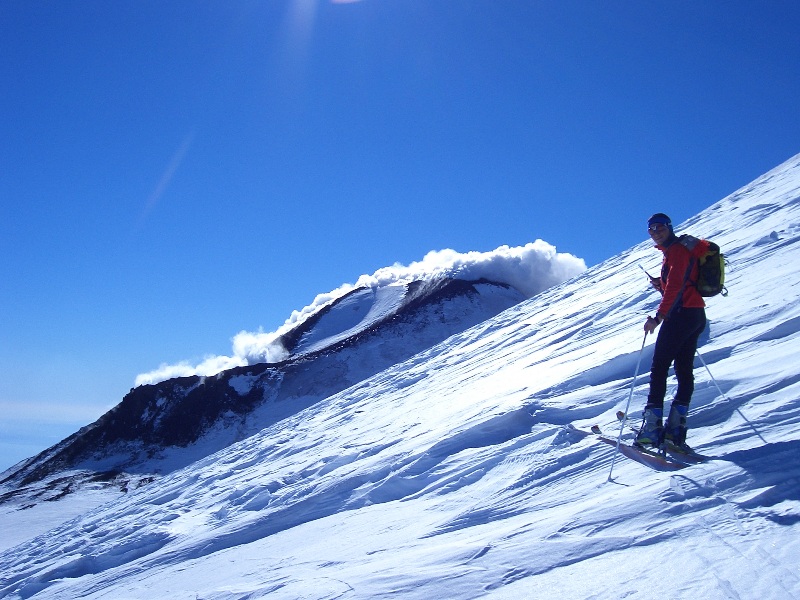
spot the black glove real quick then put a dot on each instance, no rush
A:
(656, 283)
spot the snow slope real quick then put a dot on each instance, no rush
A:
(452, 474)
(360, 310)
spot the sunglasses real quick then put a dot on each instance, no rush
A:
(657, 227)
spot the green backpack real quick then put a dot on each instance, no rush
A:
(711, 267)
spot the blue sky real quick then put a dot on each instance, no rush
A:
(172, 173)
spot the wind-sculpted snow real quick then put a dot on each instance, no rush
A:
(452, 474)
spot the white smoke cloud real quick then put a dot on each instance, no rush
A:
(248, 348)
(531, 269)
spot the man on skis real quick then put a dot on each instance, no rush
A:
(682, 318)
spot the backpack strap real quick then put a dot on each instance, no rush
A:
(690, 243)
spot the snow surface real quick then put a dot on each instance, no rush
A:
(358, 311)
(453, 474)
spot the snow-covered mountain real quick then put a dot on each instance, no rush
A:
(158, 428)
(454, 474)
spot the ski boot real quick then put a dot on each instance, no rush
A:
(652, 431)
(675, 431)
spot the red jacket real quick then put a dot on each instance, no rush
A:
(677, 259)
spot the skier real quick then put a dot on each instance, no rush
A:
(682, 317)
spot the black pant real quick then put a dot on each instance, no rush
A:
(677, 341)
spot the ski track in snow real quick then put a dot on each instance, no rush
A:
(452, 475)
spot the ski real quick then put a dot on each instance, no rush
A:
(685, 454)
(660, 461)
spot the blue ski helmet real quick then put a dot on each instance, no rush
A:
(660, 218)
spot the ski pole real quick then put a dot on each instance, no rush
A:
(700, 356)
(627, 408)
(650, 278)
